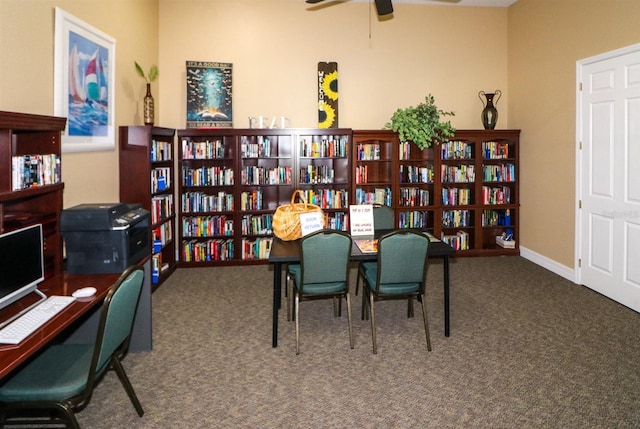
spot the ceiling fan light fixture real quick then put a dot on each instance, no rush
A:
(384, 7)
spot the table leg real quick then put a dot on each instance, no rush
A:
(277, 279)
(446, 296)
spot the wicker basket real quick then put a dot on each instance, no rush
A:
(286, 219)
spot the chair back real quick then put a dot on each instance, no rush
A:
(325, 257)
(383, 217)
(116, 321)
(402, 259)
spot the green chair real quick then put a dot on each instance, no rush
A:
(323, 273)
(383, 218)
(399, 273)
(61, 379)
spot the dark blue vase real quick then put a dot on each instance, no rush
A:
(489, 113)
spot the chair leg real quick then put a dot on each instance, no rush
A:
(117, 366)
(349, 318)
(426, 323)
(69, 415)
(410, 307)
(296, 307)
(288, 297)
(365, 313)
(373, 324)
(358, 280)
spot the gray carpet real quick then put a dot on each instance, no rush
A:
(528, 349)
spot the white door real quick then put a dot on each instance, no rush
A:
(608, 169)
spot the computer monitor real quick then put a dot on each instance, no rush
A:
(21, 263)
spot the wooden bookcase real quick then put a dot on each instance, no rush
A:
(464, 191)
(232, 181)
(23, 135)
(147, 177)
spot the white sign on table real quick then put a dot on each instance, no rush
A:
(361, 219)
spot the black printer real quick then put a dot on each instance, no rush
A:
(105, 237)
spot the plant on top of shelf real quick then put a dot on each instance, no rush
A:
(153, 73)
(421, 124)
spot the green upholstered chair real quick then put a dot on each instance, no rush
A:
(383, 218)
(399, 273)
(61, 379)
(323, 273)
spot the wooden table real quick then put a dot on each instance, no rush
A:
(286, 252)
(78, 320)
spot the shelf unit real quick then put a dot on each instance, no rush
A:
(25, 135)
(232, 181)
(147, 177)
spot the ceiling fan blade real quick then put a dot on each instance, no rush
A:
(384, 7)
(313, 1)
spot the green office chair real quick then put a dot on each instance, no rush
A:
(323, 273)
(62, 378)
(383, 218)
(399, 273)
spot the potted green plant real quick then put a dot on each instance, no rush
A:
(148, 98)
(421, 124)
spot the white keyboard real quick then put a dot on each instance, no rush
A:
(29, 322)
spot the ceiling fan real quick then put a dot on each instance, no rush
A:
(384, 7)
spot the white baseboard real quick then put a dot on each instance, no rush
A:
(549, 264)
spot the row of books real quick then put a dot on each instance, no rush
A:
(457, 173)
(459, 240)
(160, 179)
(456, 218)
(327, 198)
(203, 149)
(34, 170)
(500, 195)
(260, 149)
(499, 173)
(161, 207)
(338, 221)
(405, 150)
(206, 251)
(195, 202)
(381, 196)
(326, 148)
(412, 197)
(456, 150)
(157, 266)
(495, 150)
(206, 226)
(254, 175)
(256, 249)
(362, 174)
(413, 219)
(161, 235)
(415, 174)
(313, 174)
(496, 217)
(368, 151)
(257, 224)
(207, 176)
(456, 196)
(161, 151)
(251, 200)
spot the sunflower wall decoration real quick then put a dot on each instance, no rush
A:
(327, 95)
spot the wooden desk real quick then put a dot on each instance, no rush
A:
(83, 314)
(286, 252)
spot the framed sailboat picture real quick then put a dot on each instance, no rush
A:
(84, 84)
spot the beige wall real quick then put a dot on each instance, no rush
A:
(27, 84)
(275, 46)
(528, 51)
(546, 38)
